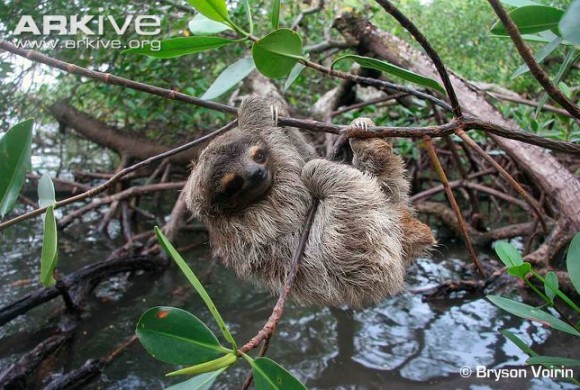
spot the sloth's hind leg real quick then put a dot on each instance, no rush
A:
(376, 157)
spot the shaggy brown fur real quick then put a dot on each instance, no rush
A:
(255, 208)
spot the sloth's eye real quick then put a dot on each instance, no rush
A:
(260, 156)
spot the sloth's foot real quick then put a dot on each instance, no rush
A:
(362, 123)
(371, 151)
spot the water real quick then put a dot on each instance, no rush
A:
(402, 343)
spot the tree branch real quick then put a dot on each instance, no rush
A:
(535, 69)
(418, 35)
(97, 190)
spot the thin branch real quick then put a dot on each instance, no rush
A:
(456, 183)
(377, 83)
(453, 202)
(274, 319)
(308, 11)
(380, 131)
(263, 350)
(112, 79)
(119, 196)
(418, 35)
(360, 105)
(528, 57)
(530, 103)
(531, 201)
(97, 190)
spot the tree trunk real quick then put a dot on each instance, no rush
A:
(113, 139)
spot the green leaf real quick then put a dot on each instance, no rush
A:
(508, 254)
(15, 151)
(46, 195)
(269, 375)
(231, 76)
(519, 343)
(175, 47)
(170, 250)
(275, 13)
(200, 382)
(201, 25)
(553, 361)
(175, 336)
(212, 9)
(566, 90)
(520, 271)
(531, 19)
(573, 262)
(568, 61)
(249, 15)
(540, 57)
(276, 54)
(296, 70)
(49, 255)
(518, 3)
(570, 25)
(531, 313)
(213, 365)
(384, 66)
(551, 285)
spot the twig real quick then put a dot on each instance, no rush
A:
(377, 83)
(453, 202)
(359, 105)
(531, 201)
(456, 183)
(308, 11)
(468, 122)
(263, 350)
(274, 319)
(535, 69)
(112, 79)
(530, 103)
(414, 31)
(116, 198)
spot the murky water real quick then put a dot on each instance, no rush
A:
(402, 343)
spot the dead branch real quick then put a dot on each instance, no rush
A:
(453, 202)
(531, 201)
(120, 196)
(80, 283)
(447, 216)
(317, 8)
(531, 103)
(90, 369)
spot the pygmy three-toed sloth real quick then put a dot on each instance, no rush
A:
(253, 188)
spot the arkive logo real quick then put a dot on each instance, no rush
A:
(75, 24)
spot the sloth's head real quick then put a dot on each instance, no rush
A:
(232, 173)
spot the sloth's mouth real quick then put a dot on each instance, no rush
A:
(258, 188)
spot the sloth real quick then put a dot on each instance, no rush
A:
(253, 188)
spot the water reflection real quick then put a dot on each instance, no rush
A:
(402, 343)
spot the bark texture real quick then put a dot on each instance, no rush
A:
(114, 139)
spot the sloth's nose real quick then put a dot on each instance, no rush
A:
(256, 173)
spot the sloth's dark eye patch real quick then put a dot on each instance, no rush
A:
(232, 183)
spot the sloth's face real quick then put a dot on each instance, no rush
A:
(241, 175)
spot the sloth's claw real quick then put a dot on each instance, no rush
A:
(274, 112)
(362, 123)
